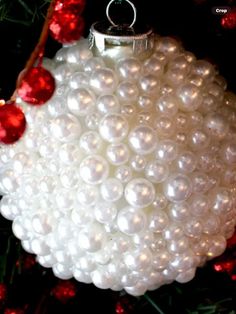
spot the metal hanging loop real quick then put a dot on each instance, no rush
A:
(110, 19)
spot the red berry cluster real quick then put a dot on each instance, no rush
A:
(37, 85)
(67, 24)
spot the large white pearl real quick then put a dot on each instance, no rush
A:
(65, 128)
(177, 188)
(131, 220)
(94, 169)
(139, 192)
(103, 81)
(81, 101)
(113, 128)
(142, 139)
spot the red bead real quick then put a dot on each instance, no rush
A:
(37, 86)
(3, 292)
(228, 20)
(12, 123)
(231, 243)
(66, 26)
(76, 6)
(64, 291)
(14, 311)
(119, 308)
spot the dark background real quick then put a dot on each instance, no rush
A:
(191, 21)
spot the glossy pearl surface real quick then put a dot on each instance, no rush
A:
(126, 178)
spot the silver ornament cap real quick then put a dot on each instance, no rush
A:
(115, 41)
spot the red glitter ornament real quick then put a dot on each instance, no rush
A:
(124, 306)
(26, 262)
(75, 6)
(37, 86)
(66, 26)
(64, 291)
(228, 20)
(12, 123)
(3, 292)
(14, 311)
(231, 243)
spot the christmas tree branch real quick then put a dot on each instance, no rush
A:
(39, 49)
(146, 296)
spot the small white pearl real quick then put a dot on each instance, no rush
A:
(123, 173)
(156, 172)
(90, 142)
(117, 154)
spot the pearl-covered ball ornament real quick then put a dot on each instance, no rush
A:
(126, 178)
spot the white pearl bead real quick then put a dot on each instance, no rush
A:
(103, 81)
(127, 91)
(216, 126)
(158, 221)
(177, 188)
(65, 128)
(190, 97)
(111, 190)
(94, 169)
(203, 69)
(149, 84)
(139, 259)
(90, 142)
(129, 68)
(142, 139)
(105, 212)
(139, 192)
(123, 173)
(108, 104)
(228, 153)
(166, 151)
(131, 221)
(186, 162)
(81, 101)
(156, 172)
(138, 163)
(93, 64)
(198, 139)
(153, 66)
(168, 105)
(117, 154)
(91, 238)
(179, 211)
(113, 128)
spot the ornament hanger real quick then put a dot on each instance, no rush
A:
(115, 40)
(115, 1)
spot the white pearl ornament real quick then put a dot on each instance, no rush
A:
(126, 177)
